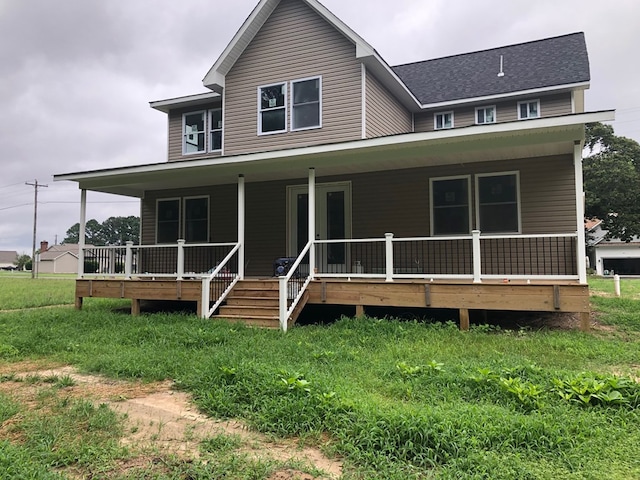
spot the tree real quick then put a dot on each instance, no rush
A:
(113, 231)
(23, 261)
(612, 181)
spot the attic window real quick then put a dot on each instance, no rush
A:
(443, 120)
(193, 132)
(485, 115)
(528, 109)
(215, 129)
(272, 109)
(305, 103)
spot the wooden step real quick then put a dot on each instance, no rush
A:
(260, 284)
(258, 321)
(271, 301)
(248, 311)
(254, 292)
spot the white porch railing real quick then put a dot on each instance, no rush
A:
(223, 279)
(293, 284)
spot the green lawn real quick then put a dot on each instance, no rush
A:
(398, 400)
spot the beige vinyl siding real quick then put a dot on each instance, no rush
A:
(294, 43)
(506, 111)
(384, 114)
(175, 132)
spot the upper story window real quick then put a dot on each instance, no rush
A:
(196, 219)
(450, 205)
(443, 120)
(215, 129)
(272, 109)
(193, 132)
(485, 115)
(498, 202)
(167, 220)
(306, 107)
(528, 109)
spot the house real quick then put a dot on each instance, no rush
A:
(610, 256)
(447, 183)
(57, 258)
(8, 259)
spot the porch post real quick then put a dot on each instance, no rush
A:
(241, 226)
(389, 256)
(312, 221)
(180, 266)
(581, 250)
(128, 260)
(81, 232)
(477, 261)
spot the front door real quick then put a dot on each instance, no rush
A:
(333, 222)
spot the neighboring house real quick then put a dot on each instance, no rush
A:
(8, 259)
(57, 258)
(448, 183)
(610, 256)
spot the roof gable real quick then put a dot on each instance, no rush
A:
(8, 256)
(551, 62)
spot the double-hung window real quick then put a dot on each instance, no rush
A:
(215, 129)
(272, 109)
(528, 109)
(193, 132)
(196, 219)
(167, 220)
(498, 202)
(450, 211)
(485, 115)
(305, 103)
(443, 120)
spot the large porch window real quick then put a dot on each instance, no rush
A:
(450, 209)
(186, 218)
(498, 202)
(196, 219)
(167, 220)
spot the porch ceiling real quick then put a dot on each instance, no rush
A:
(507, 141)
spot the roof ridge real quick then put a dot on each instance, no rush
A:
(488, 49)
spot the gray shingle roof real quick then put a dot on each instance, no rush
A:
(538, 64)
(7, 257)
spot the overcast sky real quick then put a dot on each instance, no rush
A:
(76, 77)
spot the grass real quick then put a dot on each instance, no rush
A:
(398, 400)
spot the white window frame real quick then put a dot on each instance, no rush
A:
(203, 113)
(529, 102)
(431, 203)
(485, 108)
(478, 176)
(171, 199)
(261, 110)
(435, 120)
(293, 105)
(183, 213)
(211, 130)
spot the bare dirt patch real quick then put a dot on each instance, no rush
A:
(160, 421)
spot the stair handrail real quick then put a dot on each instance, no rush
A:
(207, 311)
(284, 312)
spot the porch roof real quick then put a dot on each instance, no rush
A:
(503, 141)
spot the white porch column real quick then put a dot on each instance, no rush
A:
(477, 261)
(581, 250)
(388, 237)
(180, 266)
(81, 232)
(128, 260)
(241, 225)
(312, 220)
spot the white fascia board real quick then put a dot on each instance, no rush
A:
(187, 101)
(519, 93)
(452, 134)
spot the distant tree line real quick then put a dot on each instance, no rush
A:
(113, 231)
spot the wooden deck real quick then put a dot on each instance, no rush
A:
(541, 296)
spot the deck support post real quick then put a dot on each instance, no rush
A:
(241, 226)
(581, 249)
(585, 321)
(283, 303)
(464, 319)
(389, 256)
(312, 221)
(128, 260)
(180, 266)
(81, 232)
(477, 261)
(78, 303)
(359, 311)
(135, 307)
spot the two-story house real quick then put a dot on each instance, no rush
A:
(447, 183)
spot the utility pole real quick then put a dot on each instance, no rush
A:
(35, 186)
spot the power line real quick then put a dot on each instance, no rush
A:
(15, 206)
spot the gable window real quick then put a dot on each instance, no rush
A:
(497, 202)
(450, 211)
(193, 132)
(529, 109)
(167, 220)
(306, 108)
(272, 109)
(443, 120)
(485, 115)
(215, 129)
(196, 219)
